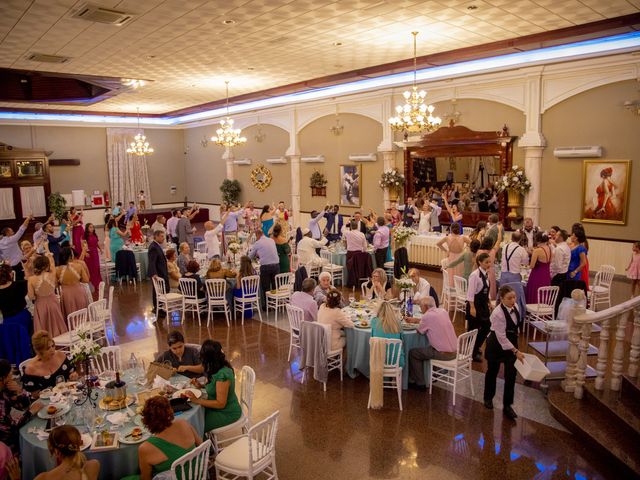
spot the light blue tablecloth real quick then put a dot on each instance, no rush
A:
(142, 257)
(340, 258)
(358, 352)
(114, 464)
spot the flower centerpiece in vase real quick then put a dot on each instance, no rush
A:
(145, 231)
(515, 183)
(233, 248)
(401, 235)
(81, 352)
(405, 285)
(318, 183)
(392, 180)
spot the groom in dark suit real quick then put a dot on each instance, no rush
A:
(157, 264)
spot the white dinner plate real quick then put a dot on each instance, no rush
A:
(62, 409)
(196, 393)
(130, 440)
(86, 441)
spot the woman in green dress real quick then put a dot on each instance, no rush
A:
(221, 407)
(116, 237)
(170, 440)
(468, 257)
(283, 248)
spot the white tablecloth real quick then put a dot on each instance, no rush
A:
(423, 249)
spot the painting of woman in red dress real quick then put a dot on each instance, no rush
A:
(605, 191)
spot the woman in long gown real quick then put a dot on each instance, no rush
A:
(77, 231)
(424, 226)
(92, 258)
(136, 230)
(283, 248)
(454, 213)
(266, 219)
(455, 246)
(116, 237)
(73, 276)
(540, 264)
(41, 289)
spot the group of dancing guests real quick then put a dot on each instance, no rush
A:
(170, 438)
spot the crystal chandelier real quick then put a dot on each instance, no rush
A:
(226, 135)
(414, 115)
(140, 146)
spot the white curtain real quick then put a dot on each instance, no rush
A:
(476, 176)
(33, 201)
(128, 174)
(7, 211)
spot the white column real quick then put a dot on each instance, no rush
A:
(533, 170)
(295, 189)
(388, 161)
(228, 157)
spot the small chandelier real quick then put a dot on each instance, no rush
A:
(140, 146)
(414, 115)
(337, 129)
(226, 135)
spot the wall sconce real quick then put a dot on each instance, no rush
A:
(633, 106)
(454, 115)
(260, 135)
(204, 142)
(337, 129)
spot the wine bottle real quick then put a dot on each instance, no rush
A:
(118, 383)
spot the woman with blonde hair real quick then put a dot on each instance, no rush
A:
(49, 364)
(65, 444)
(386, 324)
(378, 287)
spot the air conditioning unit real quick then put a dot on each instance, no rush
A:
(578, 152)
(277, 160)
(313, 159)
(363, 157)
(45, 58)
(242, 161)
(96, 13)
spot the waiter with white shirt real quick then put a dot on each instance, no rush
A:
(560, 264)
(514, 256)
(478, 308)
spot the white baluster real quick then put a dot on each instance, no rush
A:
(618, 352)
(581, 367)
(603, 354)
(634, 354)
(573, 351)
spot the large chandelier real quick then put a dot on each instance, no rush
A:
(226, 135)
(140, 146)
(414, 115)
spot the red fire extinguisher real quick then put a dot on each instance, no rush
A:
(106, 198)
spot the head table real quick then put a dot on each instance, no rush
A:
(114, 464)
(358, 343)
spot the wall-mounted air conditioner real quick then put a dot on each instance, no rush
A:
(578, 152)
(242, 161)
(313, 159)
(277, 160)
(363, 157)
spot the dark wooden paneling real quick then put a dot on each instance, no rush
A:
(63, 162)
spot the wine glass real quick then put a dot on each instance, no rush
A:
(60, 420)
(352, 296)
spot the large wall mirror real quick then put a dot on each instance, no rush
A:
(456, 154)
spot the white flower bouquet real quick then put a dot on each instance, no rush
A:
(391, 178)
(514, 180)
(84, 348)
(404, 283)
(401, 235)
(233, 247)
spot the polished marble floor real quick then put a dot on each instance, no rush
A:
(332, 435)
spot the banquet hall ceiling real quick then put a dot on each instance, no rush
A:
(187, 51)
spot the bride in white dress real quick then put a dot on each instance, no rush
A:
(424, 226)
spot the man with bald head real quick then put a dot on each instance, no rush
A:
(437, 326)
(211, 237)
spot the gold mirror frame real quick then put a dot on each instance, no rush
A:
(261, 177)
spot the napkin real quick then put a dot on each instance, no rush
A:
(118, 418)
(39, 432)
(56, 398)
(160, 382)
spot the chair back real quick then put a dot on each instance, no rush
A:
(250, 286)
(159, 286)
(313, 270)
(548, 295)
(393, 347)
(108, 360)
(460, 285)
(296, 317)
(216, 288)
(262, 439)
(284, 282)
(201, 258)
(96, 308)
(193, 465)
(363, 290)
(465, 345)
(295, 263)
(467, 230)
(326, 256)
(445, 282)
(247, 385)
(189, 288)
(606, 273)
(101, 290)
(110, 303)
(444, 262)
(23, 366)
(201, 247)
(77, 319)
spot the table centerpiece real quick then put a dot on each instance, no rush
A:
(81, 353)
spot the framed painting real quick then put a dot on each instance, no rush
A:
(350, 185)
(605, 191)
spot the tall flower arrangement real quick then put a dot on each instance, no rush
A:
(514, 180)
(401, 235)
(391, 178)
(84, 348)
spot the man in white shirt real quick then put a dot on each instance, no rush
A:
(314, 227)
(10, 250)
(172, 225)
(356, 241)
(514, 256)
(478, 309)
(307, 248)
(529, 233)
(560, 263)
(422, 288)
(211, 237)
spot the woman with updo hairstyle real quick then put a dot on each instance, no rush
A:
(221, 406)
(170, 440)
(331, 314)
(47, 366)
(540, 266)
(454, 247)
(172, 267)
(65, 445)
(41, 289)
(73, 277)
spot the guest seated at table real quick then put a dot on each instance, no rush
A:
(386, 324)
(216, 271)
(184, 257)
(43, 370)
(323, 288)
(172, 268)
(422, 287)
(221, 406)
(331, 314)
(443, 343)
(377, 286)
(170, 440)
(9, 464)
(193, 268)
(305, 300)
(65, 444)
(12, 396)
(185, 359)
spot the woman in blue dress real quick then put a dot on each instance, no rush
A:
(578, 255)
(387, 325)
(454, 213)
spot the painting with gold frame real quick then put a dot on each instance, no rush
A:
(605, 191)
(350, 185)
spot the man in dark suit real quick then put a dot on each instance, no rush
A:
(335, 221)
(157, 267)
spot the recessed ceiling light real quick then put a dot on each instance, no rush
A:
(337, 44)
(472, 7)
(151, 57)
(228, 22)
(250, 68)
(338, 65)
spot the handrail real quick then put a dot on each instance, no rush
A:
(609, 313)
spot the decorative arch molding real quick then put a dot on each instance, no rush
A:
(371, 110)
(511, 94)
(268, 120)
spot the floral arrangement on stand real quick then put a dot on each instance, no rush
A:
(391, 178)
(516, 180)
(145, 230)
(81, 352)
(318, 183)
(401, 235)
(233, 248)
(405, 284)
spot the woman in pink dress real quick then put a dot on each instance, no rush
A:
(92, 258)
(41, 289)
(73, 277)
(136, 230)
(77, 231)
(540, 275)
(633, 270)
(455, 248)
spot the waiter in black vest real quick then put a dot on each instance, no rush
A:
(502, 347)
(478, 308)
(157, 267)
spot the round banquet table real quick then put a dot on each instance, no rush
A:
(358, 352)
(340, 258)
(142, 257)
(114, 464)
